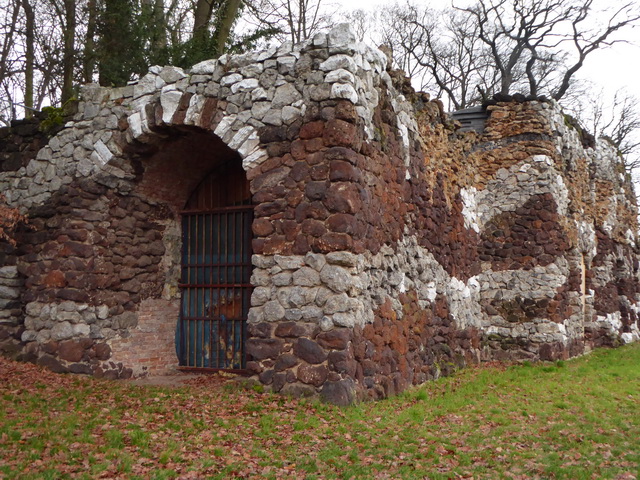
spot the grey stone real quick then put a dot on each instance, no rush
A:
(273, 311)
(322, 295)
(43, 336)
(289, 262)
(259, 109)
(342, 392)
(282, 279)
(252, 71)
(312, 313)
(344, 320)
(81, 330)
(298, 390)
(102, 311)
(73, 317)
(293, 314)
(319, 40)
(10, 271)
(315, 260)
(326, 323)
(29, 335)
(12, 282)
(340, 76)
(33, 309)
(259, 94)
(336, 278)
(171, 74)
(337, 303)
(145, 86)
(9, 292)
(125, 320)
(244, 85)
(262, 261)
(273, 117)
(256, 315)
(108, 333)
(260, 296)
(286, 94)
(344, 259)
(320, 92)
(95, 332)
(306, 277)
(290, 114)
(67, 306)
(260, 278)
(268, 78)
(62, 331)
(286, 64)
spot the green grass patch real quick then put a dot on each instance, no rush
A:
(569, 419)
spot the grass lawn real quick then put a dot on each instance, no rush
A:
(575, 419)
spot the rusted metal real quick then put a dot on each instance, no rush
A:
(216, 269)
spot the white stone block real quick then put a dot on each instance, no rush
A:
(205, 67)
(340, 76)
(229, 80)
(345, 91)
(196, 104)
(171, 74)
(341, 35)
(240, 136)
(244, 85)
(250, 144)
(224, 126)
(145, 86)
(339, 61)
(169, 100)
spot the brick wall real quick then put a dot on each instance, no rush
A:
(149, 348)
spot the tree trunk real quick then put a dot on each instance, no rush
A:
(89, 60)
(68, 55)
(231, 9)
(29, 58)
(201, 19)
(160, 25)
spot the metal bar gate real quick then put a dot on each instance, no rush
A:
(216, 288)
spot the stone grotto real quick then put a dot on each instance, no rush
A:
(302, 216)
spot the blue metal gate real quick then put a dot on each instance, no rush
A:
(215, 283)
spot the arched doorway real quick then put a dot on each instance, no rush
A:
(216, 271)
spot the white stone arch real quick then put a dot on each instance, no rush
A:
(244, 139)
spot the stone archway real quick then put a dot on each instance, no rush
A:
(169, 170)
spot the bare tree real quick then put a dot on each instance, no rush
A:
(467, 54)
(549, 39)
(442, 50)
(618, 121)
(294, 20)
(363, 24)
(11, 65)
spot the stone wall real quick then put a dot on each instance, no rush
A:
(389, 248)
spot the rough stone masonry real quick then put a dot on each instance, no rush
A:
(388, 248)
